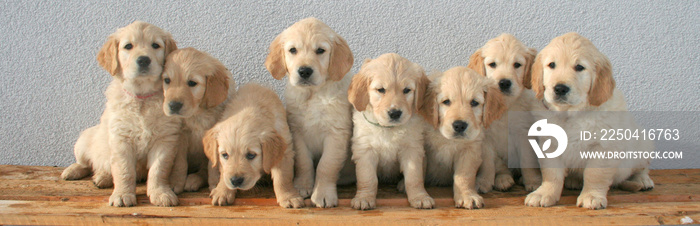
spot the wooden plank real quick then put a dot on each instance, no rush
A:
(36, 195)
(41, 212)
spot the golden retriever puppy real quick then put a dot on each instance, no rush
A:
(252, 139)
(316, 60)
(466, 103)
(507, 60)
(388, 93)
(575, 79)
(134, 139)
(195, 85)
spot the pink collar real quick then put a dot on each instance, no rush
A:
(141, 96)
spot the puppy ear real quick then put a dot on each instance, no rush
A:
(530, 54)
(275, 59)
(108, 56)
(476, 63)
(341, 59)
(170, 45)
(211, 147)
(273, 149)
(603, 83)
(426, 104)
(358, 93)
(536, 77)
(217, 87)
(494, 107)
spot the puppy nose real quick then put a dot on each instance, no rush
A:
(504, 85)
(305, 72)
(561, 89)
(459, 126)
(143, 61)
(236, 181)
(395, 114)
(175, 106)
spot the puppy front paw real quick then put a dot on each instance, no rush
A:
(293, 201)
(193, 182)
(122, 199)
(304, 186)
(540, 199)
(163, 197)
(484, 185)
(469, 201)
(222, 196)
(423, 201)
(592, 201)
(326, 197)
(363, 203)
(503, 182)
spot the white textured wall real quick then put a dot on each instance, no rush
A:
(51, 85)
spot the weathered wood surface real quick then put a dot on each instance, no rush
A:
(35, 195)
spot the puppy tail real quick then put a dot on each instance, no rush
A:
(631, 186)
(76, 172)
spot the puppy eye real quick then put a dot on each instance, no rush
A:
(155, 45)
(191, 83)
(492, 65)
(250, 155)
(552, 65)
(579, 68)
(517, 65)
(320, 51)
(224, 155)
(166, 80)
(446, 102)
(406, 90)
(128, 46)
(381, 90)
(474, 103)
(293, 50)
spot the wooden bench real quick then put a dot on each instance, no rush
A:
(36, 195)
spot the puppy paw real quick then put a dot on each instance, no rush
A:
(222, 196)
(363, 203)
(122, 199)
(325, 197)
(469, 201)
(647, 183)
(304, 186)
(163, 197)
(573, 183)
(423, 201)
(293, 201)
(592, 201)
(193, 182)
(401, 186)
(531, 185)
(75, 172)
(484, 185)
(503, 182)
(540, 199)
(102, 180)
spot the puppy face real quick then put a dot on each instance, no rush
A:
(243, 149)
(193, 80)
(466, 103)
(393, 87)
(571, 73)
(136, 52)
(310, 52)
(507, 61)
